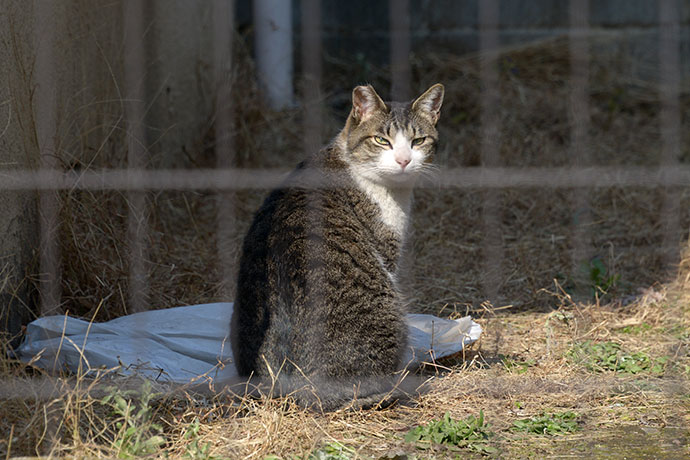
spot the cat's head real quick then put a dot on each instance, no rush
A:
(391, 143)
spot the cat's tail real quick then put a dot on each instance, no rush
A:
(330, 394)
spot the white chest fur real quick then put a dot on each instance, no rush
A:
(394, 204)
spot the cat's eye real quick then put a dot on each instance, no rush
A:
(382, 141)
(418, 141)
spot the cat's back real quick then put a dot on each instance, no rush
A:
(312, 254)
(318, 199)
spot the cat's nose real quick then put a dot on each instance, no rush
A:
(404, 161)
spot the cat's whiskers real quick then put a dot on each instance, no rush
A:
(428, 171)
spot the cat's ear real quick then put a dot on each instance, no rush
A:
(365, 102)
(430, 102)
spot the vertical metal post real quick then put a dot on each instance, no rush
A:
(46, 132)
(137, 226)
(312, 129)
(311, 75)
(49, 200)
(399, 14)
(669, 119)
(579, 132)
(223, 23)
(273, 45)
(490, 148)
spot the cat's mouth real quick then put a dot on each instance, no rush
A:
(400, 175)
(409, 170)
(387, 176)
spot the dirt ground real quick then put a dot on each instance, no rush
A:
(628, 400)
(522, 368)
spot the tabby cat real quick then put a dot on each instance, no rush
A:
(318, 299)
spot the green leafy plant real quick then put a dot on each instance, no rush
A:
(137, 435)
(679, 332)
(519, 367)
(636, 329)
(600, 280)
(471, 432)
(332, 451)
(608, 356)
(194, 450)
(548, 423)
(562, 316)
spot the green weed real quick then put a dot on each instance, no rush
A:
(636, 329)
(471, 433)
(137, 435)
(332, 451)
(608, 356)
(548, 423)
(194, 450)
(563, 316)
(679, 332)
(519, 367)
(600, 280)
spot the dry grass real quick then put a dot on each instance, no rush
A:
(537, 224)
(520, 368)
(537, 233)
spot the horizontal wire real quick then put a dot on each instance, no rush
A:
(252, 179)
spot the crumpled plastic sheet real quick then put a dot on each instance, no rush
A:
(182, 343)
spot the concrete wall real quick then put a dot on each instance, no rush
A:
(179, 83)
(18, 219)
(90, 126)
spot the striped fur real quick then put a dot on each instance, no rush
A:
(317, 294)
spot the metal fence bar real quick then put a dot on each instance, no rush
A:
(46, 127)
(399, 17)
(490, 147)
(253, 179)
(579, 133)
(223, 24)
(669, 119)
(312, 128)
(273, 51)
(49, 200)
(311, 75)
(137, 227)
